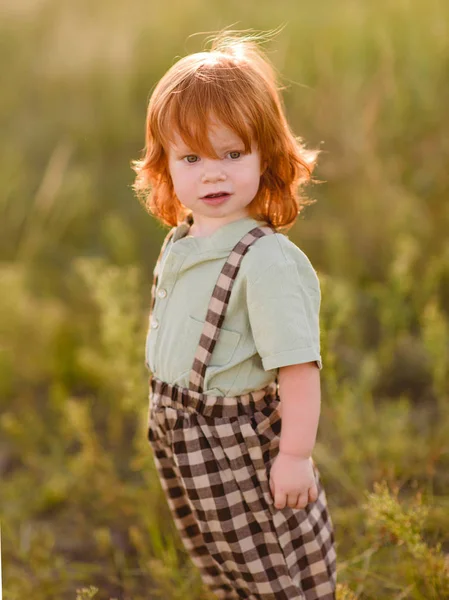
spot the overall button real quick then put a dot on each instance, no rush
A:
(162, 293)
(154, 323)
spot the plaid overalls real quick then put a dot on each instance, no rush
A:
(213, 455)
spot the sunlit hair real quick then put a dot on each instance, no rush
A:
(235, 84)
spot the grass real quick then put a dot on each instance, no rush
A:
(82, 512)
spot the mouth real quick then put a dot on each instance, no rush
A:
(216, 195)
(216, 198)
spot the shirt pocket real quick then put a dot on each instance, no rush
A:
(226, 344)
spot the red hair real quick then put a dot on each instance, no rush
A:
(235, 84)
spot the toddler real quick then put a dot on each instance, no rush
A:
(233, 344)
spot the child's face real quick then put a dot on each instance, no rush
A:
(234, 172)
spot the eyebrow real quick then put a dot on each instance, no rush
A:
(231, 144)
(185, 149)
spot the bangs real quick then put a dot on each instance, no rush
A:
(205, 97)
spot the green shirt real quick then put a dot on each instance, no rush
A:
(272, 319)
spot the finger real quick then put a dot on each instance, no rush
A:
(303, 500)
(292, 500)
(313, 493)
(279, 500)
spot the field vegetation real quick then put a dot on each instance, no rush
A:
(81, 509)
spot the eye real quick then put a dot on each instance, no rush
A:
(234, 153)
(187, 158)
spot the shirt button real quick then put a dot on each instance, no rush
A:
(154, 323)
(162, 293)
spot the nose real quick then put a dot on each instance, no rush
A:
(212, 171)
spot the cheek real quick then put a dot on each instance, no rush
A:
(181, 179)
(250, 177)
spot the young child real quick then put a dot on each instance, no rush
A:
(234, 336)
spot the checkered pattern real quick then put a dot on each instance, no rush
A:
(213, 455)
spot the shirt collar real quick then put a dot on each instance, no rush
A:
(224, 238)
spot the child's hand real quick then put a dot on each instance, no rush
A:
(292, 481)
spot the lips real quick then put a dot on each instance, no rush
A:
(216, 195)
(216, 199)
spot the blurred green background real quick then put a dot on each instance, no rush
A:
(82, 512)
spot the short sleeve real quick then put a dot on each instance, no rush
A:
(283, 305)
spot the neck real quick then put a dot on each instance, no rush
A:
(205, 229)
